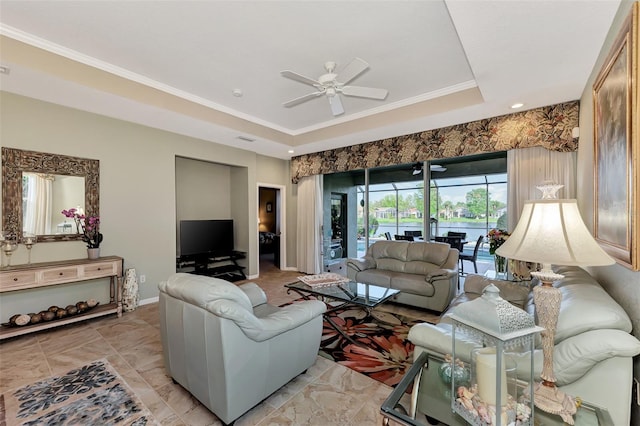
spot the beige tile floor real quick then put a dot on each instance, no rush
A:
(328, 394)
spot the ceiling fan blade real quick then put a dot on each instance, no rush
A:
(301, 99)
(351, 71)
(365, 92)
(336, 105)
(298, 77)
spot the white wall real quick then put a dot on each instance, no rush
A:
(203, 191)
(137, 184)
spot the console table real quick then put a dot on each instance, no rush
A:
(45, 274)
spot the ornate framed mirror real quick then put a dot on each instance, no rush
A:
(19, 167)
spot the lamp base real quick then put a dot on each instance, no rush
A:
(552, 400)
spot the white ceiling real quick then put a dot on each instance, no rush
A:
(173, 65)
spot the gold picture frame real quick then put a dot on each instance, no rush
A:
(617, 146)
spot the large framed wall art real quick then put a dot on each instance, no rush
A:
(617, 146)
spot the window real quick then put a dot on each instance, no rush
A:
(467, 194)
(471, 205)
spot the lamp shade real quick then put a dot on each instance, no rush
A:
(551, 231)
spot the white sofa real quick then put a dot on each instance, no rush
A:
(593, 348)
(228, 347)
(426, 273)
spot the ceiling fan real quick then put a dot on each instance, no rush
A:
(416, 169)
(332, 85)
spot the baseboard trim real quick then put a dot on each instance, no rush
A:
(149, 301)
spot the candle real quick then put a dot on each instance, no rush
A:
(486, 376)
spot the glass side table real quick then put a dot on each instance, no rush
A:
(422, 399)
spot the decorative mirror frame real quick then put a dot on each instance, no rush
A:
(17, 161)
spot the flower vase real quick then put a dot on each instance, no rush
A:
(93, 253)
(501, 266)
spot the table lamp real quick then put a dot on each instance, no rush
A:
(551, 230)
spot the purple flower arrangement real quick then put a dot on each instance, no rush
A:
(87, 226)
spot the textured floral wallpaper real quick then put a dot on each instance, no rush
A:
(550, 127)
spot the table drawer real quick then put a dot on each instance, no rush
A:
(97, 270)
(59, 274)
(17, 280)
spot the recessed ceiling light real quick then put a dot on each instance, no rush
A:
(517, 105)
(290, 151)
(237, 93)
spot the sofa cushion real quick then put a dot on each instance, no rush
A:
(389, 250)
(376, 277)
(390, 264)
(409, 257)
(420, 268)
(585, 305)
(415, 284)
(436, 253)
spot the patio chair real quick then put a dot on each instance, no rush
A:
(454, 242)
(413, 233)
(471, 257)
(461, 235)
(404, 237)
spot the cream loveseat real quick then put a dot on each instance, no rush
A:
(593, 348)
(229, 348)
(425, 273)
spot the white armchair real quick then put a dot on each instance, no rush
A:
(228, 347)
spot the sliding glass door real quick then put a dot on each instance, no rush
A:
(467, 195)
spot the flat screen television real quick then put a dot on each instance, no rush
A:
(206, 238)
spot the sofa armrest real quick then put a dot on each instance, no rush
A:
(256, 294)
(440, 274)
(361, 264)
(576, 355)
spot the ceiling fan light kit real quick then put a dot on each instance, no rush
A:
(416, 169)
(332, 85)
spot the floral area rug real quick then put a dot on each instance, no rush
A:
(372, 343)
(91, 395)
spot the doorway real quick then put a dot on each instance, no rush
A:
(270, 227)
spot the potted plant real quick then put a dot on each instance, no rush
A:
(89, 227)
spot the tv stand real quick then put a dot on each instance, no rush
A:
(225, 266)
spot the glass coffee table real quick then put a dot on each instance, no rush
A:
(428, 401)
(350, 293)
